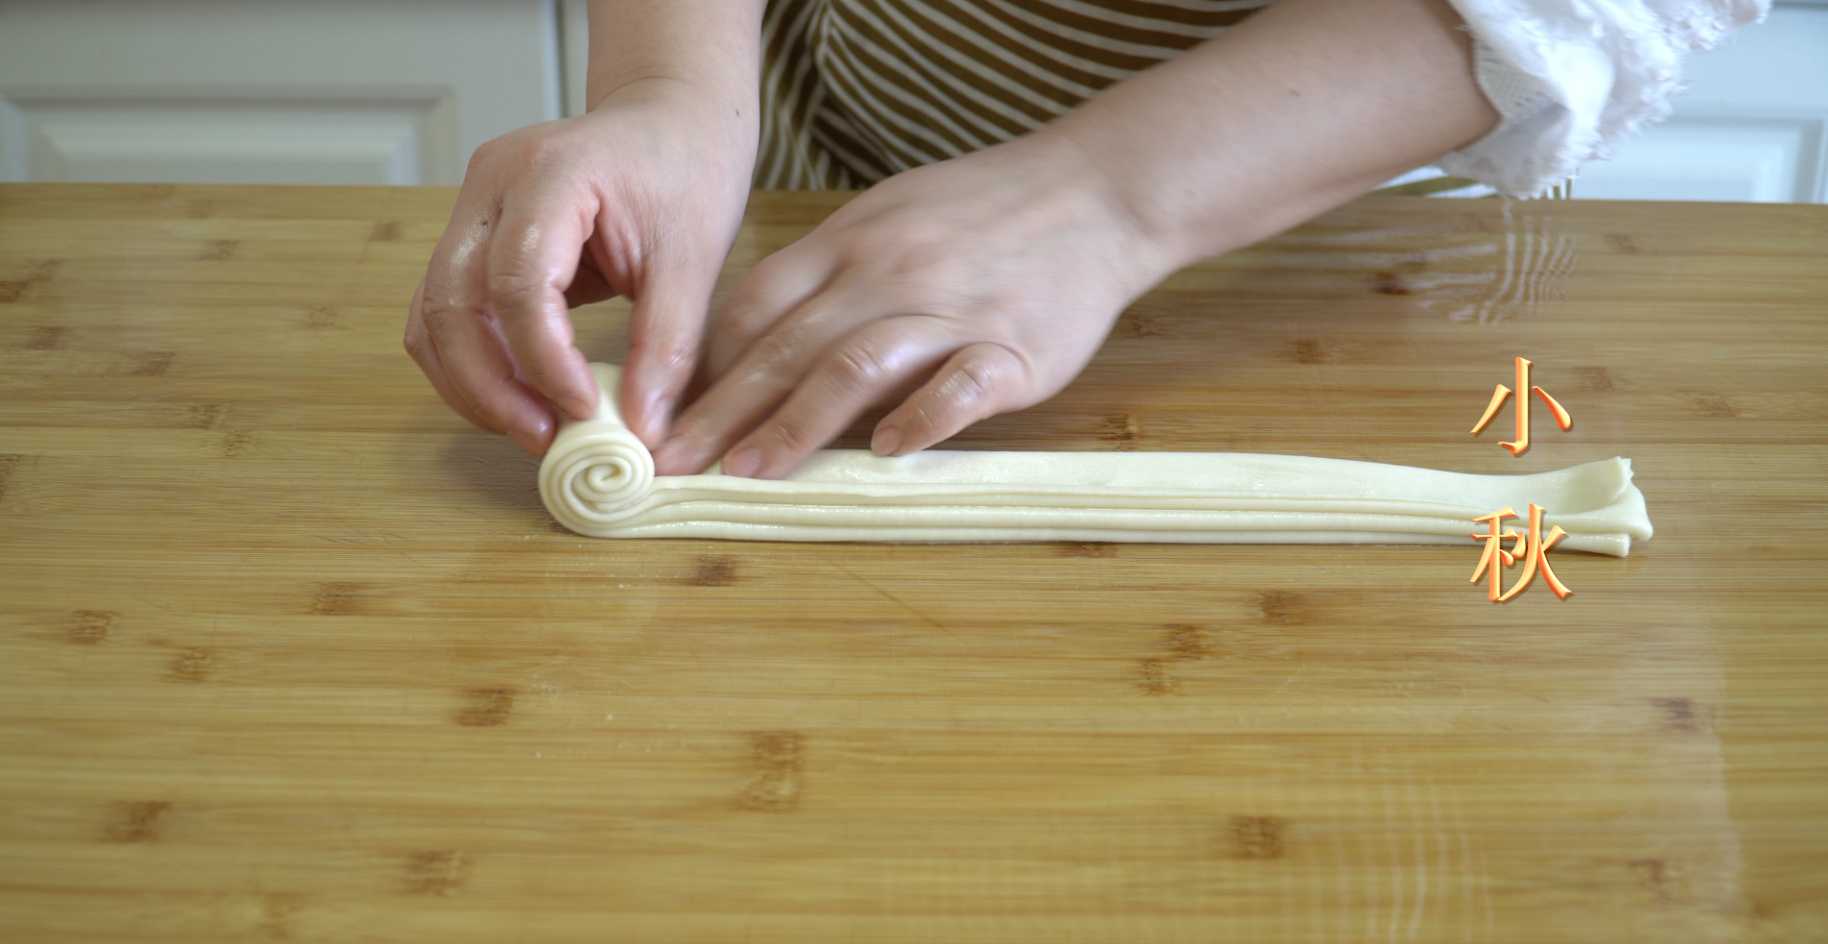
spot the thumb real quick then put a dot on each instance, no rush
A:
(666, 327)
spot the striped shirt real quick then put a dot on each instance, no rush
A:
(857, 90)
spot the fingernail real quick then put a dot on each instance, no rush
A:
(654, 418)
(743, 462)
(576, 405)
(886, 441)
(580, 409)
(528, 440)
(541, 434)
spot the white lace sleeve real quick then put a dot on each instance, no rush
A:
(1572, 77)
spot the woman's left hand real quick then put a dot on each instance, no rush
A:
(965, 289)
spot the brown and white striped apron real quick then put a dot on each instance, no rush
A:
(857, 90)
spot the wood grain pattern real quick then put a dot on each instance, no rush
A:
(289, 653)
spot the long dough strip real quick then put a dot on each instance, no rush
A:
(598, 480)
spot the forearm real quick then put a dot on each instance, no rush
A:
(1299, 109)
(714, 44)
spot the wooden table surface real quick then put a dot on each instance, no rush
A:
(291, 653)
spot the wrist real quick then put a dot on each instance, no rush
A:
(728, 99)
(1156, 244)
(718, 119)
(710, 45)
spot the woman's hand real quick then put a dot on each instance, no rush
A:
(970, 288)
(640, 197)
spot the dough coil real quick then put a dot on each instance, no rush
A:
(598, 480)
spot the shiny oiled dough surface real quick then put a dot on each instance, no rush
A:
(289, 653)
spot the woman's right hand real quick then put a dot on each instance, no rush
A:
(640, 197)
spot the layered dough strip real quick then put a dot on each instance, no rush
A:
(598, 480)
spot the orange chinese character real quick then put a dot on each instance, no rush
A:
(1502, 393)
(1530, 545)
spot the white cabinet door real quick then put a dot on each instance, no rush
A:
(1753, 124)
(331, 91)
(574, 29)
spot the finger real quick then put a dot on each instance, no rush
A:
(978, 382)
(479, 372)
(533, 257)
(419, 348)
(666, 326)
(457, 335)
(777, 285)
(854, 374)
(756, 383)
(453, 281)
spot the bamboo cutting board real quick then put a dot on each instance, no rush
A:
(290, 653)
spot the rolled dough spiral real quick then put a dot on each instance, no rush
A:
(598, 480)
(597, 473)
